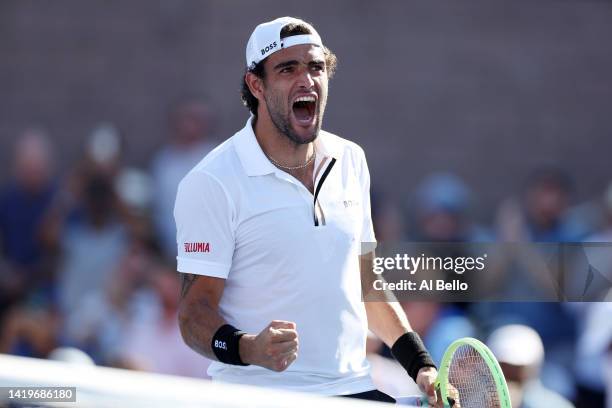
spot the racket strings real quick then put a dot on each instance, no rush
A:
(472, 384)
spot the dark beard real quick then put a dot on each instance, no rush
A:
(282, 124)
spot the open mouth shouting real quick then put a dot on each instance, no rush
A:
(304, 110)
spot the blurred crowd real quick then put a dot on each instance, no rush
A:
(552, 353)
(87, 262)
(88, 257)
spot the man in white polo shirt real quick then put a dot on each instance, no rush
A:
(269, 233)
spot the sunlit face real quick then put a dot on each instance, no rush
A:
(295, 91)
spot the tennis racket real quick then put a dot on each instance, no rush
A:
(470, 377)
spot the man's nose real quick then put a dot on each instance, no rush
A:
(305, 79)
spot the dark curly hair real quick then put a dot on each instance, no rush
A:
(248, 99)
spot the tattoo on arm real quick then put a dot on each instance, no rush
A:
(187, 280)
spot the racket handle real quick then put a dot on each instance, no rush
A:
(424, 402)
(417, 401)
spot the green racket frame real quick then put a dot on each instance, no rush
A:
(498, 376)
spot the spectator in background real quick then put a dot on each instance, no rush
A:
(104, 150)
(147, 335)
(134, 190)
(28, 318)
(542, 216)
(604, 234)
(443, 225)
(520, 353)
(92, 245)
(86, 224)
(23, 203)
(546, 203)
(442, 207)
(190, 125)
(99, 324)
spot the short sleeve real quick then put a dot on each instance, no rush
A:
(204, 215)
(368, 239)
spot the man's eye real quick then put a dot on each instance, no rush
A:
(317, 68)
(286, 70)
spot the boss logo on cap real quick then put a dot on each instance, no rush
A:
(268, 48)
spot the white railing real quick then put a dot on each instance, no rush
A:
(101, 387)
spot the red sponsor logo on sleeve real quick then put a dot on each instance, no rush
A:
(197, 246)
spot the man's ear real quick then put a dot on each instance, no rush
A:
(255, 85)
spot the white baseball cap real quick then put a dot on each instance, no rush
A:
(265, 39)
(517, 344)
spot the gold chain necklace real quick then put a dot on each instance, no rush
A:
(299, 166)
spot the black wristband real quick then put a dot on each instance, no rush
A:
(411, 353)
(225, 345)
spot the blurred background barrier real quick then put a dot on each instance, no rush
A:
(100, 387)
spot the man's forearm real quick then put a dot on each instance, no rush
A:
(389, 322)
(198, 320)
(386, 318)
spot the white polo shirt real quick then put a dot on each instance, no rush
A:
(242, 219)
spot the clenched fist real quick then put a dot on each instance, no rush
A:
(275, 348)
